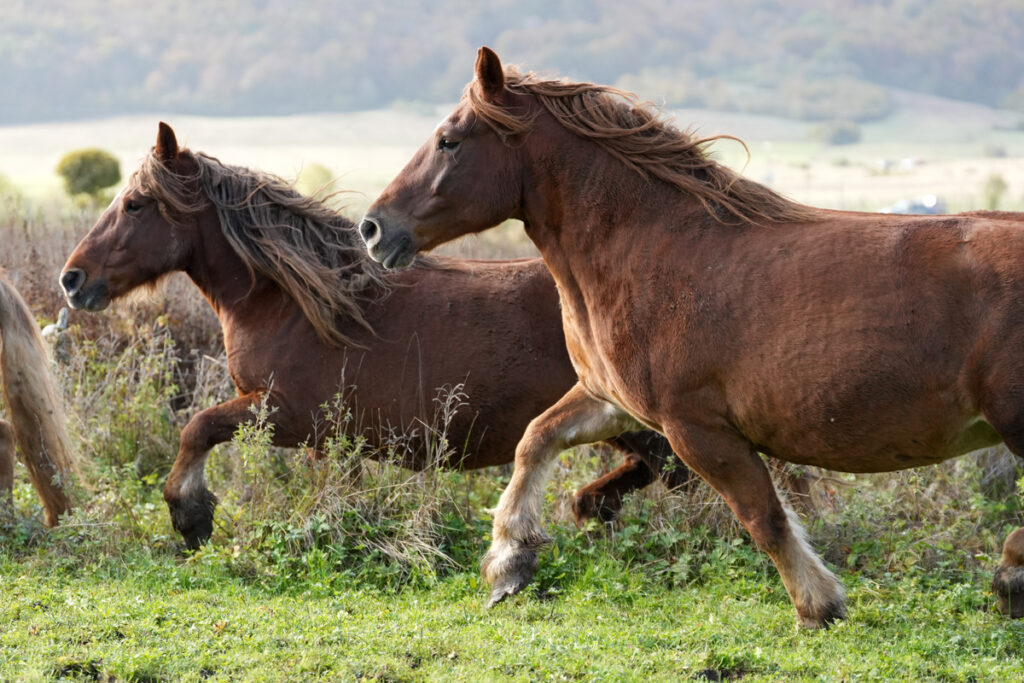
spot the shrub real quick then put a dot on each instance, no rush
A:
(993, 190)
(316, 180)
(89, 171)
(835, 132)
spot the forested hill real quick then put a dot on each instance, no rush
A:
(803, 58)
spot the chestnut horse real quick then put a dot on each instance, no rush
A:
(707, 307)
(31, 396)
(307, 315)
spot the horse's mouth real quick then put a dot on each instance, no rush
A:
(400, 255)
(94, 299)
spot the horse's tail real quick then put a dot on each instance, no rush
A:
(34, 404)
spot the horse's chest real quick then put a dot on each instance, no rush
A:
(595, 366)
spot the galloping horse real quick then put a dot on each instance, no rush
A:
(707, 307)
(306, 315)
(31, 396)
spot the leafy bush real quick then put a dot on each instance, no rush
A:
(316, 180)
(835, 133)
(89, 171)
(993, 189)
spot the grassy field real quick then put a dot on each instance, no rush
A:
(152, 618)
(312, 575)
(657, 597)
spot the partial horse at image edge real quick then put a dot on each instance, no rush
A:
(37, 426)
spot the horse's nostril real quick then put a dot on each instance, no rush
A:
(369, 231)
(72, 280)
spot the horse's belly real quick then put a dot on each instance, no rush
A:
(891, 449)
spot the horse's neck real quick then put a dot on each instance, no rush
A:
(594, 210)
(221, 275)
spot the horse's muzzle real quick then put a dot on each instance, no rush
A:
(396, 252)
(92, 298)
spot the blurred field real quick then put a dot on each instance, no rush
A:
(929, 146)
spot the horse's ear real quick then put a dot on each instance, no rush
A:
(166, 143)
(489, 73)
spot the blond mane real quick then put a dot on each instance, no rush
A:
(639, 135)
(312, 252)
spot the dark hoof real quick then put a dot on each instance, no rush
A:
(510, 570)
(193, 518)
(506, 588)
(1008, 581)
(830, 614)
(587, 506)
(1008, 587)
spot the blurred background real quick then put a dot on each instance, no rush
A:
(900, 105)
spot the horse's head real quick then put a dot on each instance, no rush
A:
(142, 235)
(464, 179)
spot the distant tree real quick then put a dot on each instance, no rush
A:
(316, 180)
(89, 171)
(835, 132)
(993, 190)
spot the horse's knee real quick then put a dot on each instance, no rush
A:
(197, 435)
(769, 529)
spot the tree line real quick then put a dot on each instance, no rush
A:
(233, 57)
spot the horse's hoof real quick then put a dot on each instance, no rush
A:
(198, 536)
(193, 518)
(1008, 587)
(828, 615)
(1008, 581)
(586, 507)
(510, 569)
(506, 588)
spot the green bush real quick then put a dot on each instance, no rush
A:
(89, 171)
(993, 189)
(835, 133)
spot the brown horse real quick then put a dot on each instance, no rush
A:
(37, 425)
(707, 307)
(306, 315)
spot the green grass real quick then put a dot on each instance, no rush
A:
(154, 616)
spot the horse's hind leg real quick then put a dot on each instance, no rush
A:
(648, 455)
(575, 419)
(602, 498)
(6, 465)
(190, 502)
(1006, 416)
(732, 467)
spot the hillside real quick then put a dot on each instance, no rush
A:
(70, 61)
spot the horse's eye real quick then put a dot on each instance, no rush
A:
(131, 206)
(447, 144)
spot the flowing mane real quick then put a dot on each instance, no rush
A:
(639, 135)
(312, 252)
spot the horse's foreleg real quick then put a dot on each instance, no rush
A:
(648, 456)
(190, 502)
(6, 464)
(733, 468)
(577, 418)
